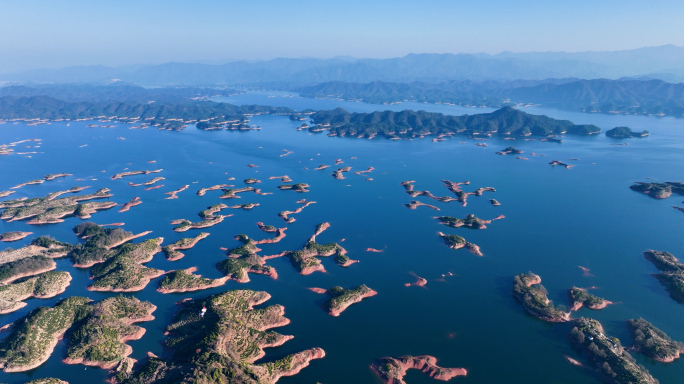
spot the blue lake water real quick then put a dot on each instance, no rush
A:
(556, 220)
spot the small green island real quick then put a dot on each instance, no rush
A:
(653, 342)
(171, 250)
(580, 297)
(298, 187)
(671, 274)
(243, 260)
(217, 339)
(470, 221)
(625, 132)
(527, 289)
(458, 242)
(392, 370)
(609, 359)
(184, 280)
(341, 299)
(14, 236)
(43, 286)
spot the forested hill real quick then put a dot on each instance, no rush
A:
(45, 107)
(599, 95)
(407, 123)
(114, 92)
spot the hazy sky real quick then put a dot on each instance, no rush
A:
(48, 34)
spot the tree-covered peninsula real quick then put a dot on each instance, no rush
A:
(412, 124)
(217, 339)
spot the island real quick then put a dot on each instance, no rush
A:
(672, 272)
(283, 179)
(135, 201)
(562, 164)
(299, 187)
(244, 206)
(184, 280)
(415, 204)
(218, 338)
(457, 242)
(6, 193)
(171, 250)
(202, 191)
(229, 193)
(412, 124)
(609, 359)
(148, 182)
(527, 289)
(494, 202)
(252, 180)
(183, 225)
(124, 272)
(266, 228)
(470, 221)
(285, 215)
(43, 286)
(659, 190)
(579, 297)
(97, 332)
(13, 236)
(104, 243)
(392, 370)
(625, 132)
(53, 176)
(510, 150)
(338, 174)
(172, 194)
(243, 260)
(51, 208)
(132, 173)
(653, 342)
(341, 299)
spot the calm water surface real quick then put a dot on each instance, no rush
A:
(556, 220)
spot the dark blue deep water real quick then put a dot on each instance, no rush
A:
(556, 220)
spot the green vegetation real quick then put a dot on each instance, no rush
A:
(528, 290)
(49, 380)
(608, 357)
(99, 242)
(417, 124)
(672, 272)
(655, 190)
(50, 206)
(122, 273)
(43, 286)
(96, 332)
(221, 345)
(34, 337)
(243, 260)
(27, 266)
(164, 115)
(653, 342)
(171, 250)
(469, 222)
(454, 241)
(184, 281)
(98, 338)
(342, 298)
(298, 187)
(580, 297)
(625, 132)
(251, 180)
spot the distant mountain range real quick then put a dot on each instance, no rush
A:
(598, 95)
(664, 62)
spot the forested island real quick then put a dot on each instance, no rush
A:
(412, 124)
(653, 342)
(613, 363)
(217, 339)
(671, 274)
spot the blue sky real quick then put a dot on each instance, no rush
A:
(48, 34)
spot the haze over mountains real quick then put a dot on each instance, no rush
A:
(664, 62)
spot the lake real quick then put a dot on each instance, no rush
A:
(556, 220)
